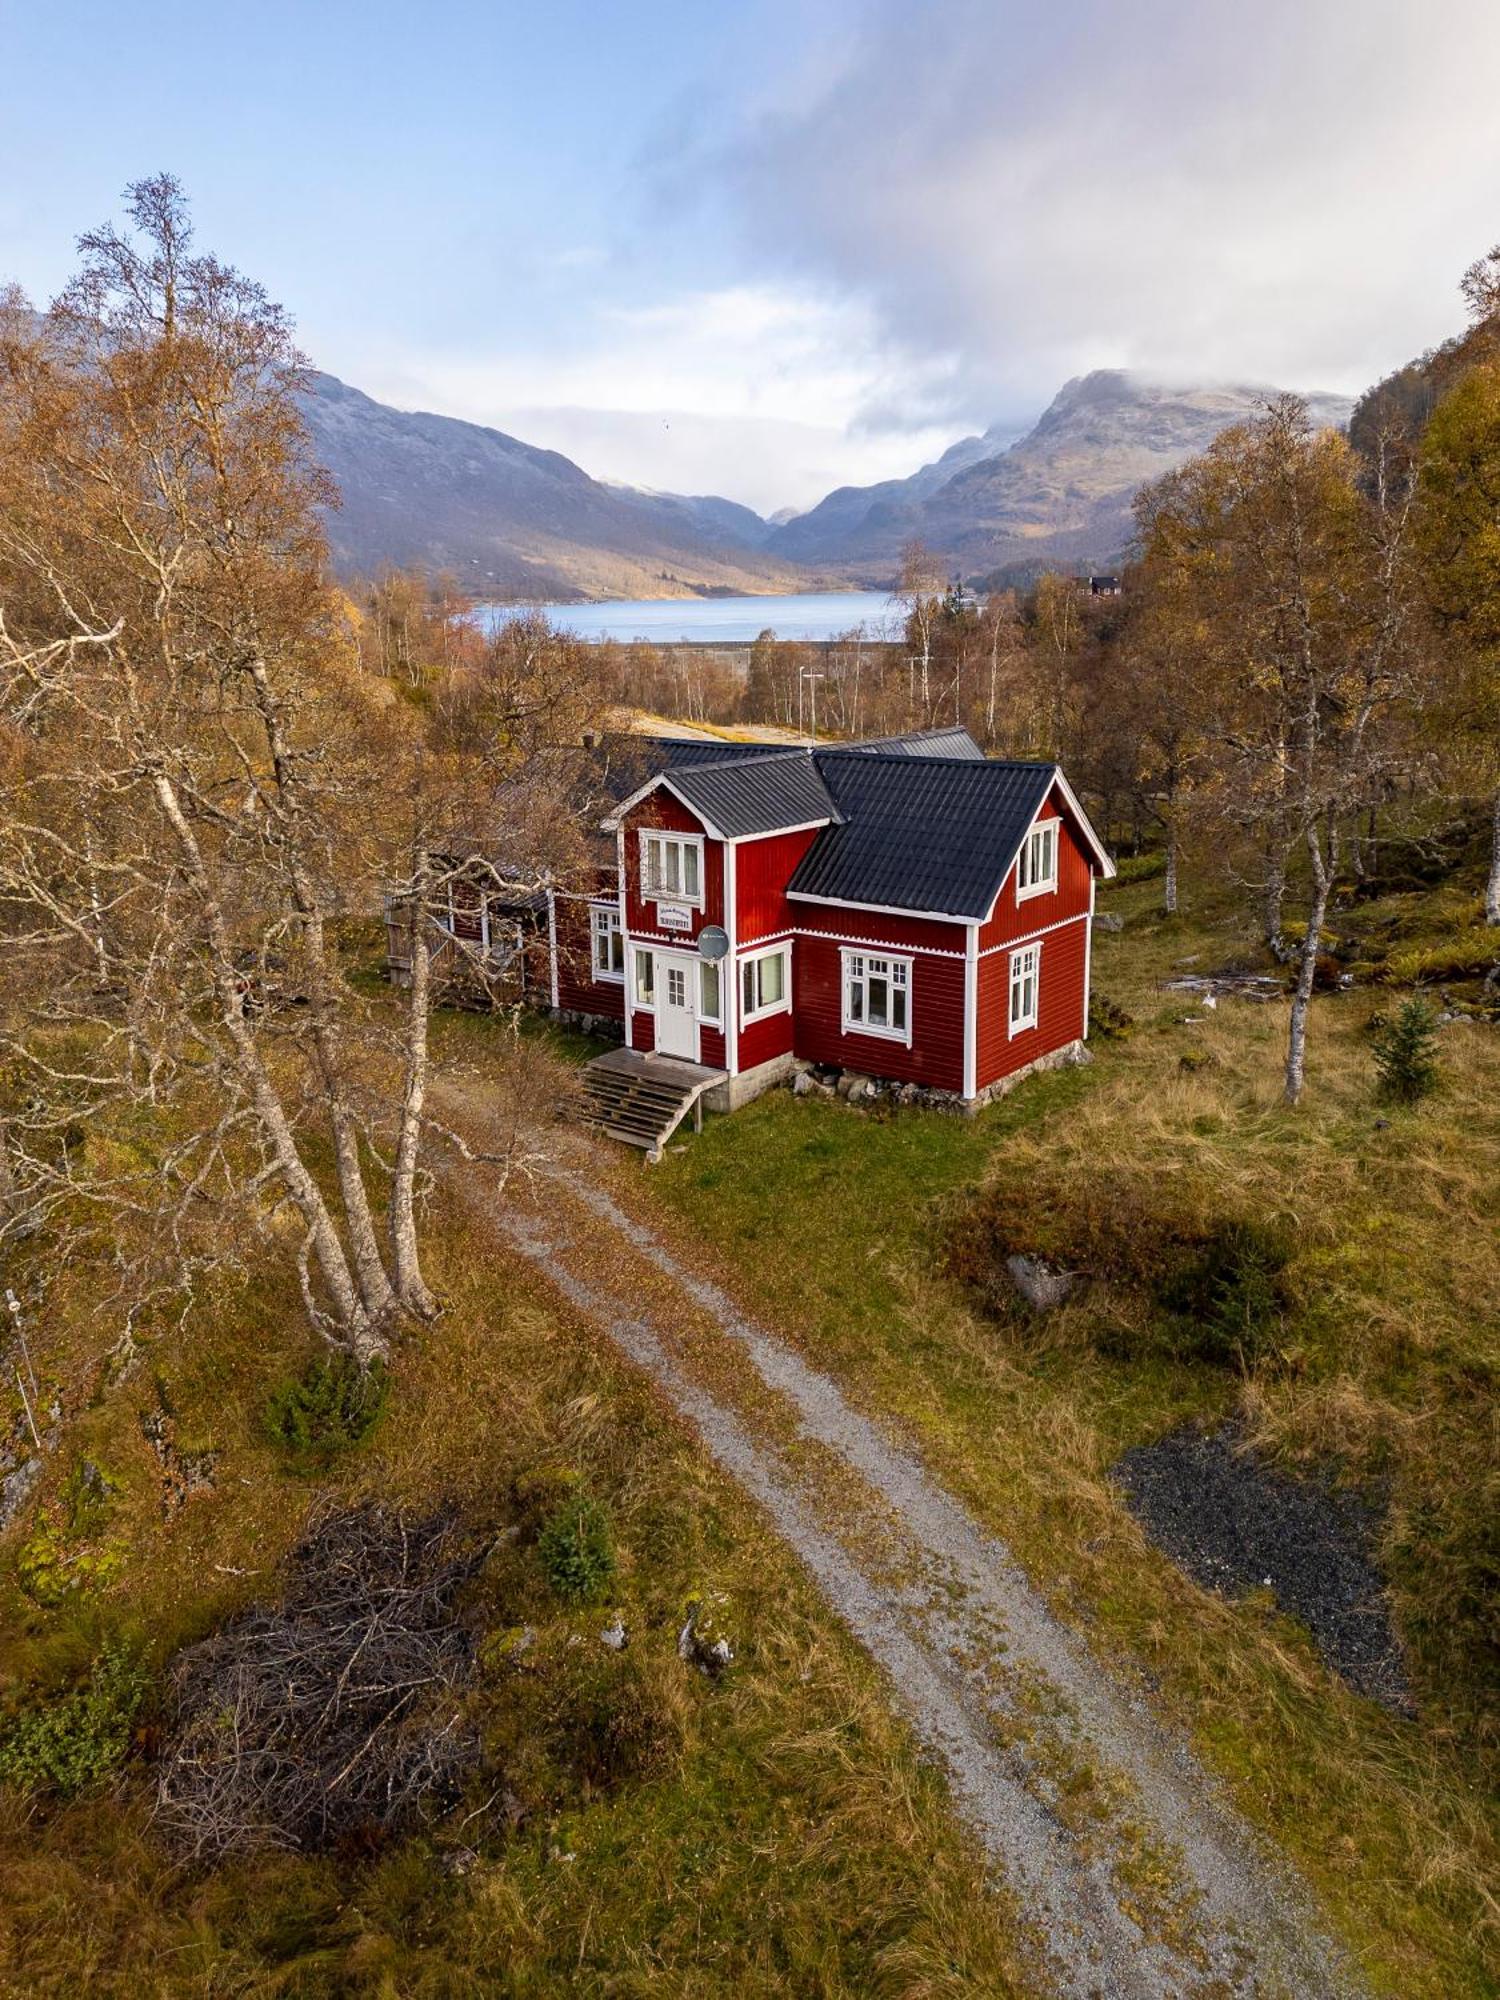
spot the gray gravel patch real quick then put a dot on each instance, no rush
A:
(1235, 1524)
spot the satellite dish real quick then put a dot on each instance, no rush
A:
(713, 942)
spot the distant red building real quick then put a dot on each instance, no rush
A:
(906, 908)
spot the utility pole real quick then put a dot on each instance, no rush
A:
(808, 674)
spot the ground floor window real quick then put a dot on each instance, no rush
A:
(645, 978)
(877, 995)
(609, 944)
(1025, 971)
(708, 992)
(765, 987)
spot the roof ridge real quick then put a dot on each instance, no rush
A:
(969, 763)
(773, 754)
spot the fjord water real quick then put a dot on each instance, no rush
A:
(709, 621)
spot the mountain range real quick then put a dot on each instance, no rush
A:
(514, 521)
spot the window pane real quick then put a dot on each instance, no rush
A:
(747, 987)
(879, 992)
(676, 986)
(690, 870)
(673, 856)
(898, 1008)
(616, 946)
(856, 1000)
(709, 975)
(772, 980)
(644, 978)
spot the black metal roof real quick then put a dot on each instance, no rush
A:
(921, 833)
(954, 741)
(746, 795)
(671, 753)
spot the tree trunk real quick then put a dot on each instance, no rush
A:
(1492, 890)
(411, 1287)
(362, 1338)
(1296, 1053)
(1169, 891)
(1273, 897)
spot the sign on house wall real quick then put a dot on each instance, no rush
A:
(674, 917)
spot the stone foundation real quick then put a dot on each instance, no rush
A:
(855, 1087)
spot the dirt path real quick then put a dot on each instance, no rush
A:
(1137, 1879)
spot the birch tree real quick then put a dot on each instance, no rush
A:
(199, 790)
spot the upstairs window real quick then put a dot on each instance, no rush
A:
(609, 944)
(877, 995)
(1025, 980)
(764, 986)
(1036, 866)
(671, 868)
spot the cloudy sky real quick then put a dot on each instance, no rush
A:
(766, 247)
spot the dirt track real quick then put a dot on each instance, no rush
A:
(1137, 1878)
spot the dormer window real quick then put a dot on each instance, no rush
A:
(1036, 865)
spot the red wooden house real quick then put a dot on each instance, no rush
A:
(907, 908)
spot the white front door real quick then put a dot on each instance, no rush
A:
(676, 1007)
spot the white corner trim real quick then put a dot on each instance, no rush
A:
(1088, 960)
(971, 1014)
(629, 987)
(552, 943)
(729, 1004)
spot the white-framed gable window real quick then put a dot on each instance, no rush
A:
(1025, 984)
(609, 943)
(766, 983)
(877, 995)
(671, 867)
(1036, 865)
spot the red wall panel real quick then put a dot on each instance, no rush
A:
(936, 1055)
(577, 989)
(1060, 999)
(762, 870)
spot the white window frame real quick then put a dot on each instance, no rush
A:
(715, 966)
(605, 928)
(638, 1005)
(1046, 833)
(753, 959)
(854, 966)
(1019, 973)
(653, 891)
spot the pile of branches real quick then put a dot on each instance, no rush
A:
(337, 1715)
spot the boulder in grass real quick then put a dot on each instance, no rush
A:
(1043, 1288)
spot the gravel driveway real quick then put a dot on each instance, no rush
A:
(1137, 1878)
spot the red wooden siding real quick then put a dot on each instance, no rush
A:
(1012, 919)
(664, 810)
(1060, 995)
(643, 1031)
(577, 989)
(762, 869)
(875, 929)
(711, 1046)
(935, 998)
(772, 1034)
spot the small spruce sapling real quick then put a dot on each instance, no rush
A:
(1406, 1053)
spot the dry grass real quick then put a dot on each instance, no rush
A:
(835, 1224)
(770, 1832)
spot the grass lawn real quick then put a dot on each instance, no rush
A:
(837, 1223)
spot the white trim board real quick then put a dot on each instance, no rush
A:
(1030, 937)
